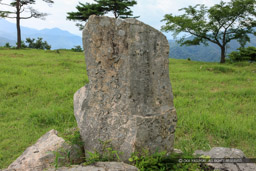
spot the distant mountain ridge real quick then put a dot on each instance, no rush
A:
(56, 37)
(61, 39)
(209, 53)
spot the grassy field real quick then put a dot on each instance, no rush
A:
(215, 103)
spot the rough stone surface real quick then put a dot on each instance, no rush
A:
(129, 97)
(230, 153)
(100, 166)
(40, 155)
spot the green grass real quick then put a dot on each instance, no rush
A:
(36, 95)
(215, 103)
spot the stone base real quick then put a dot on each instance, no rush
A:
(127, 133)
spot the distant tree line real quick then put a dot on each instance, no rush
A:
(40, 44)
(77, 49)
(32, 43)
(37, 44)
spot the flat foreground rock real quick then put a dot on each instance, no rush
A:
(100, 166)
(129, 98)
(38, 156)
(221, 153)
(41, 155)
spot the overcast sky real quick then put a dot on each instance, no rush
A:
(150, 11)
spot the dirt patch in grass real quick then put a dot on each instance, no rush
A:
(15, 55)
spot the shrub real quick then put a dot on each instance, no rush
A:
(77, 49)
(7, 45)
(37, 44)
(23, 45)
(106, 153)
(161, 161)
(244, 54)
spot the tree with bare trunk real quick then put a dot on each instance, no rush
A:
(21, 9)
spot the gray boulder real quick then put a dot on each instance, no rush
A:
(129, 97)
(221, 158)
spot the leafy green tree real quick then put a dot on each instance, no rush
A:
(218, 24)
(120, 9)
(21, 7)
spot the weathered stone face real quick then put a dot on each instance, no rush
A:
(129, 97)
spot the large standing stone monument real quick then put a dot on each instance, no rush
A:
(129, 98)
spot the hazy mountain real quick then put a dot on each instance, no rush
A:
(209, 53)
(56, 37)
(4, 40)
